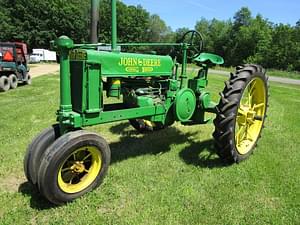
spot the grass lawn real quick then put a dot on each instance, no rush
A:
(167, 177)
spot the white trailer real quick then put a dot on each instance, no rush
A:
(39, 55)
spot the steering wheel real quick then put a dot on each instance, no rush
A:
(195, 41)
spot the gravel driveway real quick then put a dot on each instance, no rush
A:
(42, 69)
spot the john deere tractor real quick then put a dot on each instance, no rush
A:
(152, 91)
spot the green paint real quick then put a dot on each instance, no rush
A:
(208, 57)
(114, 87)
(114, 25)
(93, 86)
(185, 104)
(115, 64)
(64, 44)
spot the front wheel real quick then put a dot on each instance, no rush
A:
(73, 165)
(241, 113)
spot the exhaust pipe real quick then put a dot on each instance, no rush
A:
(114, 25)
(94, 21)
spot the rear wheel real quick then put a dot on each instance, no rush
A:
(36, 149)
(241, 113)
(13, 80)
(4, 84)
(73, 165)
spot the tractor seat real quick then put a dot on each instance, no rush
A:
(209, 57)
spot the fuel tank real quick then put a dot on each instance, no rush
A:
(116, 64)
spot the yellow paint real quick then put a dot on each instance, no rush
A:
(147, 69)
(116, 82)
(79, 170)
(250, 116)
(132, 69)
(78, 54)
(139, 62)
(148, 123)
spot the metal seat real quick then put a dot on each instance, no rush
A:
(204, 57)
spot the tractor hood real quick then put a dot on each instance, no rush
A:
(128, 64)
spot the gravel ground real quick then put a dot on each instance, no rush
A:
(42, 69)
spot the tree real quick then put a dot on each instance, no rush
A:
(216, 35)
(242, 18)
(202, 26)
(180, 32)
(298, 24)
(284, 53)
(39, 22)
(158, 29)
(237, 52)
(133, 22)
(256, 41)
(5, 24)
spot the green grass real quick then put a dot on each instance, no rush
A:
(167, 177)
(270, 72)
(286, 74)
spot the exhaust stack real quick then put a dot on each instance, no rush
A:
(94, 21)
(114, 25)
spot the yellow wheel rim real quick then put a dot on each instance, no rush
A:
(80, 169)
(250, 116)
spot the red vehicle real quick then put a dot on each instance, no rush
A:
(13, 65)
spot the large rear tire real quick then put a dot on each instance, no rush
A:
(241, 113)
(36, 149)
(73, 165)
(4, 84)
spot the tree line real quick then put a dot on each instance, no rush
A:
(254, 40)
(244, 38)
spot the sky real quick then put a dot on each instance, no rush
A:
(185, 13)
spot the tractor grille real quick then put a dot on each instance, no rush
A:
(77, 70)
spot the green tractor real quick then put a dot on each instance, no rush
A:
(152, 92)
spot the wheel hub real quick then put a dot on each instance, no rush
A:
(247, 115)
(78, 167)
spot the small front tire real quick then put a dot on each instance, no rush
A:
(73, 165)
(36, 149)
